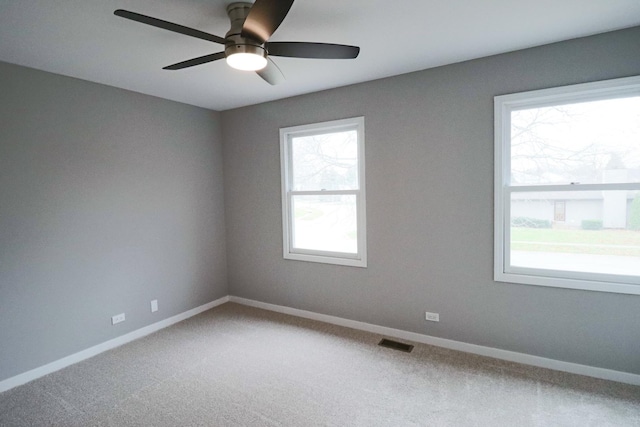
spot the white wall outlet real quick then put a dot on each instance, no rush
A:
(432, 317)
(154, 305)
(117, 318)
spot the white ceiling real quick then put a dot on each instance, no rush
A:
(83, 39)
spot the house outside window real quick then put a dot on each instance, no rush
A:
(567, 187)
(323, 192)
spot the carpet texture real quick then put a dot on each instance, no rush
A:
(240, 366)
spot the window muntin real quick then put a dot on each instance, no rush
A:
(567, 187)
(323, 192)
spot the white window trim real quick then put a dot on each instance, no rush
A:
(289, 252)
(503, 105)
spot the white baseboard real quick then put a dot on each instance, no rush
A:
(526, 359)
(542, 362)
(107, 345)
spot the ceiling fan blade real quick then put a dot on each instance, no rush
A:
(264, 18)
(271, 73)
(312, 50)
(195, 61)
(166, 25)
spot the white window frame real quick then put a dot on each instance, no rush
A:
(503, 106)
(358, 259)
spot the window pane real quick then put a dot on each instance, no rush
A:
(325, 162)
(588, 142)
(325, 223)
(581, 231)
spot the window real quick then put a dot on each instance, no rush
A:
(323, 192)
(567, 187)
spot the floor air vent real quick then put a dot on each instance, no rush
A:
(396, 345)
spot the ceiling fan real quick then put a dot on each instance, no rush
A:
(246, 45)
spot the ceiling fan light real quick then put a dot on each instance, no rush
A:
(247, 61)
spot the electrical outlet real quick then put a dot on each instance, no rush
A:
(117, 318)
(432, 317)
(154, 305)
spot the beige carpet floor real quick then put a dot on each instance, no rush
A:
(240, 366)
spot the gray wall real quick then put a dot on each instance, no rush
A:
(108, 199)
(429, 160)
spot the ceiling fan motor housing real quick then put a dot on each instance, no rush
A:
(235, 43)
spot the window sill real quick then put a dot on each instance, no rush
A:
(566, 283)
